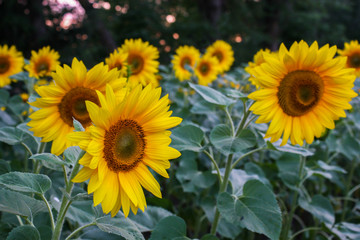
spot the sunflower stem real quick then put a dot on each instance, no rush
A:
(348, 184)
(221, 190)
(230, 120)
(247, 154)
(215, 164)
(50, 212)
(65, 202)
(76, 231)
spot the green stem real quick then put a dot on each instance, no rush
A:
(76, 231)
(222, 189)
(19, 219)
(348, 184)
(294, 200)
(64, 202)
(215, 165)
(27, 148)
(230, 120)
(305, 230)
(247, 154)
(50, 212)
(41, 147)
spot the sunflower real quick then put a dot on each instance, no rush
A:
(118, 59)
(43, 62)
(302, 91)
(11, 62)
(127, 137)
(352, 51)
(223, 53)
(258, 60)
(185, 55)
(206, 70)
(142, 61)
(64, 100)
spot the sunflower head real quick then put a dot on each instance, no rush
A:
(258, 60)
(43, 62)
(64, 101)
(128, 137)
(206, 70)
(223, 52)
(185, 55)
(142, 61)
(118, 59)
(302, 91)
(11, 62)
(352, 52)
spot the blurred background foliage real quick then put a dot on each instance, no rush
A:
(91, 29)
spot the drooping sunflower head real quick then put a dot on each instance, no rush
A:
(142, 61)
(223, 53)
(118, 59)
(206, 70)
(352, 52)
(43, 62)
(302, 91)
(128, 138)
(258, 60)
(185, 55)
(11, 62)
(59, 103)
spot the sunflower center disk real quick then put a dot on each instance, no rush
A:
(43, 66)
(4, 65)
(124, 145)
(354, 61)
(185, 61)
(299, 92)
(204, 68)
(137, 63)
(218, 55)
(73, 105)
(119, 65)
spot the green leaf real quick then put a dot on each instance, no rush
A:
(187, 137)
(4, 96)
(345, 230)
(239, 177)
(169, 228)
(222, 139)
(204, 179)
(17, 105)
(289, 165)
(212, 95)
(259, 210)
(21, 76)
(119, 226)
(12, 135)
(349, 146)
(26, 182)
(50, 160)
(320, 207)
(202, 107)
(226, 206)
(4, 167)
(25, 232)
(332, 168)
(146, 221)
(20, 204)
(209, 237)
(77, 125)
(288, 148)
(71, 154)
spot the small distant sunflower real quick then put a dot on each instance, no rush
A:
(258, 60)
(118, 59)
(43, 62)
(206, 70)
(352, 52)
(59, 103)
(185, 55)
(11, 62)
(223, 53)
(302, 91)
(127, 138)
(142, 61)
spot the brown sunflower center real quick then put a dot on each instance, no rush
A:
(204, 68)
(118, 65)
(219, 55)
(4, 65)
(184, 61)
(42, 67)
(299, 92)
(124, 145)
(73, 105)
(137, 63)
(354, 60)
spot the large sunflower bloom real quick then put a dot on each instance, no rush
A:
(206, 70)
(257, 61)
(142, 61)
(118, 59)
(223, 53)
(352, 52)
(302, 91)
(127, 137)
(59, 103)
(185, 55)
(11, 62)
(43, 62)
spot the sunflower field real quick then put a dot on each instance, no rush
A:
(199, 147)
